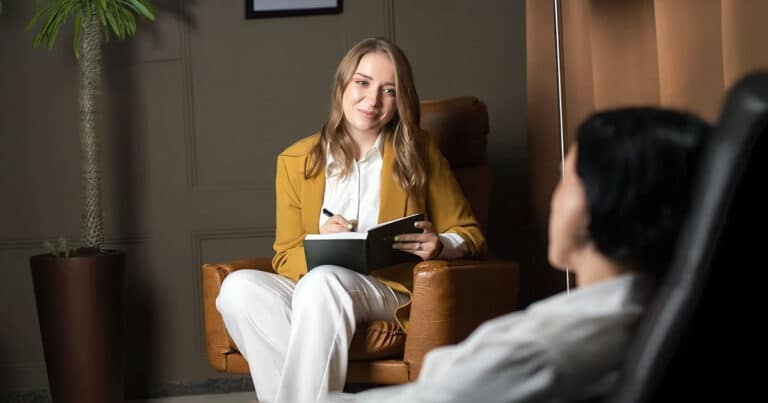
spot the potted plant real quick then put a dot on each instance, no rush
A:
(79, 290)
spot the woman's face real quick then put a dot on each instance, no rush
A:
(568, 217)
(369, 99)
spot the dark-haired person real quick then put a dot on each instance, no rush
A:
(370, 163)
(614, 221)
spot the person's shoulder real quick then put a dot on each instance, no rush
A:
(302, 147)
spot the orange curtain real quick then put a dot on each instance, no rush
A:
(675, 53)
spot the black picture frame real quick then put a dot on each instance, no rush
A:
(253, 11)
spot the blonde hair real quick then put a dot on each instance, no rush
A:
(408, 140)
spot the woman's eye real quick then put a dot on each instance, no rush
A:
(389, 91)
(362, 82)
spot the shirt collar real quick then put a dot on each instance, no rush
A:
(332, 167)
(626, 291)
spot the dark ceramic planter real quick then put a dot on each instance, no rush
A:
(80, 311)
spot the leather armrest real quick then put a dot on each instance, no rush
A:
(257, 263)
(217, 340)
(452, 298)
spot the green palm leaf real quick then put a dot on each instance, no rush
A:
(117, 17)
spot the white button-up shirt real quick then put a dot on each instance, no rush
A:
(357, 197)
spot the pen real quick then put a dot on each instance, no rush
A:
(328, 213)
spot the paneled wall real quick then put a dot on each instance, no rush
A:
(682, 54)
(194, 112)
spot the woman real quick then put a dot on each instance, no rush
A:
(614, 222)
(370, 163)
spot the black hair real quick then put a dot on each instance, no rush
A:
(638, 166)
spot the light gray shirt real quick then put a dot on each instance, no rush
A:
(564, 347)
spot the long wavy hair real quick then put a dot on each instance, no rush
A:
(407, 139)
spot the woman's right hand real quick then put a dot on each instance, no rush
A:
(337, 223)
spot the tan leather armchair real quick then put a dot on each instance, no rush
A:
(450, 298)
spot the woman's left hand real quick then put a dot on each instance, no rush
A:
(425, 245)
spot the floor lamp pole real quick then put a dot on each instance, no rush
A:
(559, 69)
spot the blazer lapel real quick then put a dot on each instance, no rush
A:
(393, 198)
(314, 190)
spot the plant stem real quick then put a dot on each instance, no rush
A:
(92, 226)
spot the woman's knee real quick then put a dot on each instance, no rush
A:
(238, 289)
(322, 276)
(324, 271)
(319, 283)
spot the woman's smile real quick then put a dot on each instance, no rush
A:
(372, 115)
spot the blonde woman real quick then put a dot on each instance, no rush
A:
(370, 163)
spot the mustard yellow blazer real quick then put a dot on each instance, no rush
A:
(299, 202)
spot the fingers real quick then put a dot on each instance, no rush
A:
(337, 223)
(413, 246)
(425, 225)
(422, 237)
(425, 245)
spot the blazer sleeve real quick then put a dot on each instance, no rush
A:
(289, 259)
(447, 206)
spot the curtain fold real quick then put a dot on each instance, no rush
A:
(683, 54)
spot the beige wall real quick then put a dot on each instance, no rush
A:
(194, 111)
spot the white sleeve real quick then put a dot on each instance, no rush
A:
(454, 246)
(491, 366)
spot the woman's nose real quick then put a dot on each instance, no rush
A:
(373, 96)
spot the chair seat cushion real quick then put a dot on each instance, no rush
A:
(376, 340)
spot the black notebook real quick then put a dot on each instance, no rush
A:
(362, 251)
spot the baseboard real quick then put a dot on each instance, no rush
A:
(26, 396)
(206, 387)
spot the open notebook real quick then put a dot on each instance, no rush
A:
(361, 251)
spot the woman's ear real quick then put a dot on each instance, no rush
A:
(581, 233)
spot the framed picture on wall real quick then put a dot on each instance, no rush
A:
(287, 8)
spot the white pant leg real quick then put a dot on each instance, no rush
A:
(327, 304)
(256, 307)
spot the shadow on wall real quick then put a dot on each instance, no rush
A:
(508, 229)
(512, 235)
(122, 114)
(121, 109)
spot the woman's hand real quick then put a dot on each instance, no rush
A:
(337, 223)
(426, 245)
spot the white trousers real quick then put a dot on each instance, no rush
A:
(296, 337)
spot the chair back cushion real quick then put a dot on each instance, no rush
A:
(460, 127)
